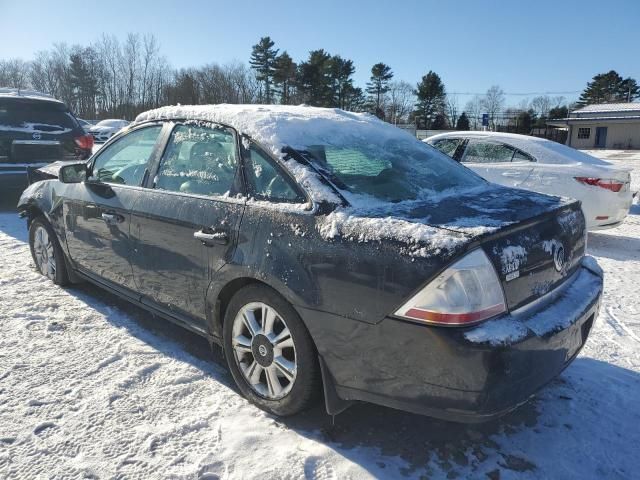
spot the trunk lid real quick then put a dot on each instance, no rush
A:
(536, 256)
(534, 241)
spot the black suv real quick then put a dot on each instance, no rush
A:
(36, 129)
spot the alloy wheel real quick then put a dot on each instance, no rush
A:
(44, 253)
(264, 351)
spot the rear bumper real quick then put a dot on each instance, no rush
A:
(462, 374)
(604, 210)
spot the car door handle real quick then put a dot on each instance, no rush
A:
(112, 218)
(511, 174)
(210, 236)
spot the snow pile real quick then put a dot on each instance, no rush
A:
(422, 240)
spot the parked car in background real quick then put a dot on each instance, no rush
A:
(326, 248)
(86, 126)
(105, 129)
(36, 129)
(547, 167)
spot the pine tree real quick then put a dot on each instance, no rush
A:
(341, 71)
(463, 122)
(439, 122)
(314, 79)
(354, 99)
(431, 98)
(378, 85)
(263, 60)
(629, 90)
(609, 87)
(83, 81)
(559, 112)
(284, 77)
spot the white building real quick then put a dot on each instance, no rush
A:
(607, 125)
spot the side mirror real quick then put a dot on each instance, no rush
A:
(75, 173)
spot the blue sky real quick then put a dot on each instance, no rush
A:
(541, 46)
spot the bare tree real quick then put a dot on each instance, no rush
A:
(400, 101)
(452, 110)
(149, 58)
(14, 73)
(541, 105)
(493, 103)
(474, 110)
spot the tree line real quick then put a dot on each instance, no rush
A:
(121, 78)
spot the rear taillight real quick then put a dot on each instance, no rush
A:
(467, 292)
(85, 142)
(606, 183)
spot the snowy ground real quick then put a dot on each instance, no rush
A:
(92, 387)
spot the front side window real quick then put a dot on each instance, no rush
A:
(266, 182)
(200, 160)
(479, 151)
(584, 133)
(125, 161)
(447, 146)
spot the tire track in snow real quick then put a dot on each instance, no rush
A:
(619, 326)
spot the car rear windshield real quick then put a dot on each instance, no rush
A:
(393, 170)
(36, 116)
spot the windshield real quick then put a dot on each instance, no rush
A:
(394, 170)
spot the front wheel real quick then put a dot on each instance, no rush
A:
(269, 351)
(46, 251)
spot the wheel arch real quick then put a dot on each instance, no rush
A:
(221, 292)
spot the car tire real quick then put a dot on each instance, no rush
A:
(270, 353)
(46, 251)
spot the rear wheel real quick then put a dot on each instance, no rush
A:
(269, 351)
(46, 251)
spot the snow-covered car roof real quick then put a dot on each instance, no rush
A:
(111, 122)
(27, 94)
(277, 126)
(545, 151)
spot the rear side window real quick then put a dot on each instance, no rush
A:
(125, 161)
(519, 156)
(267, 182)
(199, 160)
(479, 151)
(447, 146)
(36, 116)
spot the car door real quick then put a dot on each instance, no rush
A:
(97, 211)
(184, 224)
(498, 162)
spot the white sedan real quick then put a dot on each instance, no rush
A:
(105, 129)
(547, 167)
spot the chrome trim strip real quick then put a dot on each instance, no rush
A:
(6, 166)
(36, 142)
